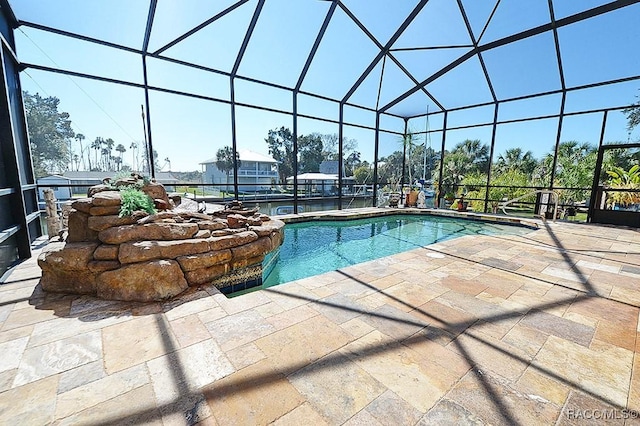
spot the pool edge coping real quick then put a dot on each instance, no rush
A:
(369, 212)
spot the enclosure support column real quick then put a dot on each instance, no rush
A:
(340, 152)
(558, 136)
(444, 138)
(493, 144)
(295, 152)
(234, 144)
(375, 160)
(596, 171)
(404, 157)
(152, 166)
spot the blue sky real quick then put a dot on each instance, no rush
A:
(188, 130)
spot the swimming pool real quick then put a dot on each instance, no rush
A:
(312, 248)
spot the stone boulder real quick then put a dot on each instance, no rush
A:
(82, 205)
(204, 260)
(104, 210)
(142, 251)
(106, 252)
(65, 268)
(107, 198)
(143, 282)
(206, 275)
(233, 240)
(78, 227)
(100, 223)
(157, 192)
(149, 231)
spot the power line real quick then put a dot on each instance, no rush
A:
(49, 95)
(77, 85)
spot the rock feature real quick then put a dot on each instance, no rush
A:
(155, 257)
(131, 282)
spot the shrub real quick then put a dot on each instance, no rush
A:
(134, 199)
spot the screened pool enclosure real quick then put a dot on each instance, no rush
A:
(486, 100)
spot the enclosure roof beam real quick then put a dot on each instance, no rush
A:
(201, 26)
(596, 11)
(365, 30)
(465, 18)
(386, 48)
(247, 37)
(11, 17)
(147, 32)
(316, 44)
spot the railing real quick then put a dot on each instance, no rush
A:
(256, 173)
(504, 205)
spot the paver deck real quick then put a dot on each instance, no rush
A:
(533, 329)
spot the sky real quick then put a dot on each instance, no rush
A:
(187, 130)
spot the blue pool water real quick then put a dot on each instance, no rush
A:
(312, 248)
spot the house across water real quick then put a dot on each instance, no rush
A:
(256, 173)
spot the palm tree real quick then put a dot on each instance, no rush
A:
(476, 152)
(409, 141)
(80, 137)
(225, 161)
(390, 169)
(456, 167)
(96, 145)
(515, 159)
(104, 156)
(109, 143)
(120, 149)
(134, 150)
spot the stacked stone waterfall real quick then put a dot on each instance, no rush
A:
(155, 257)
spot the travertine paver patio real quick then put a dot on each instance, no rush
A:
(534, 329)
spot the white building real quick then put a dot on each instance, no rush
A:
(257, 173)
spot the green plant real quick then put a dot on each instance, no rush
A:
(133, 200)
(620, 178)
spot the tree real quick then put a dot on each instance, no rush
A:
(409, 141)
(225, 161)
(121, 150)
(49, 133)
(508, 185)
(330, 146)
(80, 137)
(476, 152)
(96, 145)
(390, 169)
(455, 168)
(515, 159)
(280, 143)
(310, 151)
(351, 163)
(146, 165)
(633, 115)
(134, 155)
(466, 158)
(423, 165)
(108, 143)
(574, 169)
(363, 174)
